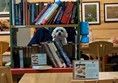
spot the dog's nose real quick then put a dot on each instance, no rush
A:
(59, 33)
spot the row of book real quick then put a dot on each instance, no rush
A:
(45, 13)
(57, 55)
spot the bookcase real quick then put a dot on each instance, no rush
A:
(22, 25)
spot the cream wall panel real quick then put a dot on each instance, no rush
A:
(107, 34)
(5, 38)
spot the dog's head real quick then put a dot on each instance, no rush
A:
(59, 32)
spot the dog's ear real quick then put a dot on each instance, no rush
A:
(66, 34)
(53, 33)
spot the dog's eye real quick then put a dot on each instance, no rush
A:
(61, 30)
(57, 30)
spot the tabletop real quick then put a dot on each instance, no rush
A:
(60, 77)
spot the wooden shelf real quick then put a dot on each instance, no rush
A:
(30, 70)
(50, 26)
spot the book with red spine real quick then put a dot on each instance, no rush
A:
(67, 13)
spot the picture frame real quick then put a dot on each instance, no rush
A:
(85, 69)
(110, 12)
(90, 12)
(4, 9)
(4, 26)
(4, 17)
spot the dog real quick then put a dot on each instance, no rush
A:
(61, 34)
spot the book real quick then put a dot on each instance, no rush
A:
(57, 14)
(52, 17)
(57, 58)
(58, 20)
(16, 57)
(16, 11)
(54, 7)
(74, 15)
(38, 22)
(67, 13)
(21, 57)
(26, 13)
(32, 12)
(42, 12)
(49, 54)
(62, 53)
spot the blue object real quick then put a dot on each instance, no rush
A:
(84, 31)
(41, 35)
(84, 28)
(84, 39)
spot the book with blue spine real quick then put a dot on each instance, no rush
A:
(16, 10)
(62, 52)
(58, 20)
(32, 12)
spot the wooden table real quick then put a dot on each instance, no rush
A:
(85, 48)
(59, 77)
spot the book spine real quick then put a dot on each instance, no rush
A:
(50, 20)
(16, 10)
(21, 57)
(57, 57)
(73, 18)
(26, 12)
(57, 13)
(52, 9)
(62, 52)
(50, 55)
(42, 12)
(43, 16)
(67, 13)
(12, 12)
(32, 12)
(58, 20)
(21, 13)
(16, 59)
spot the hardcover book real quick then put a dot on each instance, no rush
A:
(67, 13)
(50, 55)
(42, 12)
(74, 15)
(58, 20)
(56, 55)
(62, 53)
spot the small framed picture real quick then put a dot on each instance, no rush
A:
(4, 26)
(111, 12)
(4, 9)
(4, 17)
(91, 12)
(85, 69)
